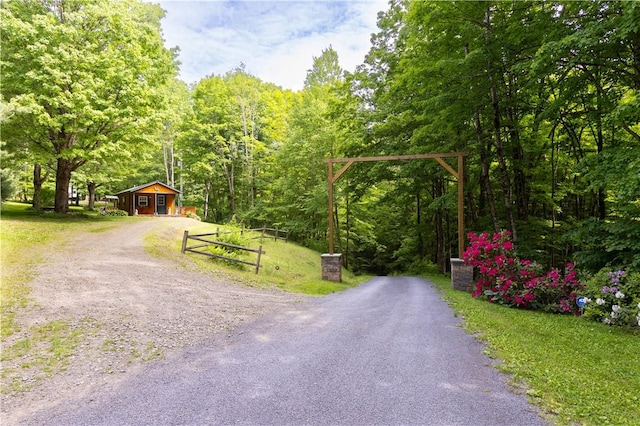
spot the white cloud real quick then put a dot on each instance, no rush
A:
(276, 40)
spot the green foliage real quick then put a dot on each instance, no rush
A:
(113, 212)
(8, 184)
(610, 243)
(194, 216)
(614, 298)
(227, 256)
(538, 110)
(284, 265)
(232, 234)
(542, 96)
(81, 81)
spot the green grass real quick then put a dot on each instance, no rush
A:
(285, 265)
(25, 237)
(46, 351)
(578, 371)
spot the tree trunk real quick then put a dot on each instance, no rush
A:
(229, 173)
(486, 190)
(485, 180)
(91, 189)
(440, 252)
(38, 180)
(173, 172)
(521, 189)
(345, 258)
(419, 225)
(502, 165)
(63, 177)
(337, 223)
(167, 153)
(492, 73)
(602, 211)
(207, 192)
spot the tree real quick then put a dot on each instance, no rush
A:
(82, 76)
(177, 100)
(301, 183)
(326, 69)
(542, 95)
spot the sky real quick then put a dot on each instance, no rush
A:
(275, 40)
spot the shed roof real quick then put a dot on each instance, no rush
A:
(139, 187)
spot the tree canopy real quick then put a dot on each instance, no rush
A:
(542, 95)
(81, 79)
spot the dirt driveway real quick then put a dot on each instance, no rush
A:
(128, 308)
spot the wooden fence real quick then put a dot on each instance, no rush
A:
(205, 242)
(275, 233)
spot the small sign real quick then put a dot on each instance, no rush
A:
(581, 301)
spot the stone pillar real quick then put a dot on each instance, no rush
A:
(461, 275)
(332, 267)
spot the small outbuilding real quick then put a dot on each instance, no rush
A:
(153, 198)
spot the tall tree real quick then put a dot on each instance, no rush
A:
(83, 75)
(177, 100)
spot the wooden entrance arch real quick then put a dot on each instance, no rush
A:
(458, 174)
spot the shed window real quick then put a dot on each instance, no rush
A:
(143, 200)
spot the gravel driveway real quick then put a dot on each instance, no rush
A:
(130, 308)
(388, 352)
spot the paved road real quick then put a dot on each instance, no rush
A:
(388, 352)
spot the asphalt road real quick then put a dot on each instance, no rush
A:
(388, 352)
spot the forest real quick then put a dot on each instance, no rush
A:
(542, 96)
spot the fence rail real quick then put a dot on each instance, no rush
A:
(204, 238)
(275, 233)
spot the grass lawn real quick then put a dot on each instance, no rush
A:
(284, 265)
(580, 372)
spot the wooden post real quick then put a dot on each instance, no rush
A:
(460, 206)
(184, 240)
(330, 207)
(258, 261)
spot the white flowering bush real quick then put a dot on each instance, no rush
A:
(613, 298)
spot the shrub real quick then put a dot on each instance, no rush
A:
(504, 278)
(614, 298)
(226, 253)
(192, 215)
(114, 212)
(232, 235)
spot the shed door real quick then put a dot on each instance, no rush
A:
(162, 204)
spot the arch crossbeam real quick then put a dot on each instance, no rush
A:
(458, 174)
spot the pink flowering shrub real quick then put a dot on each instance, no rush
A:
(504, 278)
